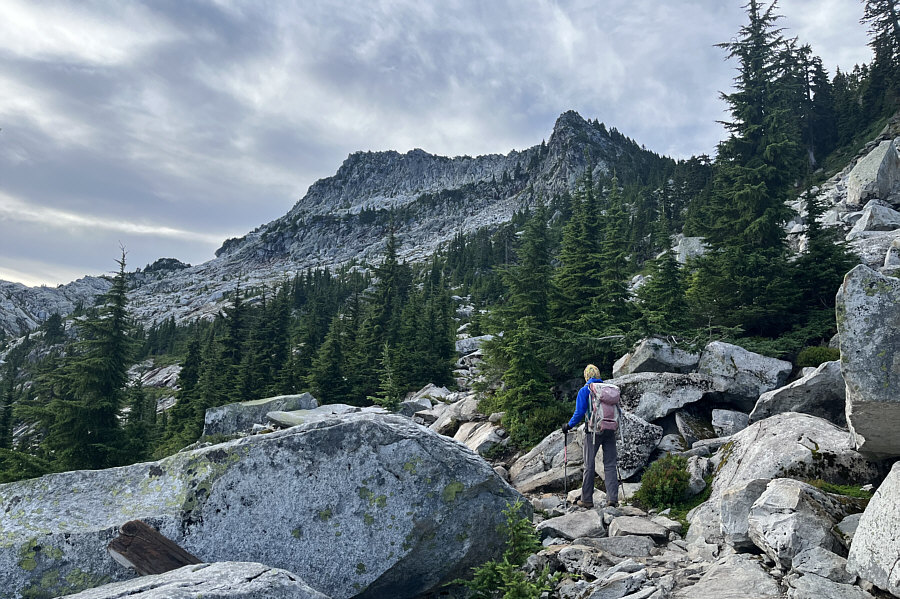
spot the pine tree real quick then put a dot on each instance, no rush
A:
(881, 94)
(327, 381)
(390, 388)
(577, 280)
(745, 280)
(662, 299)
(85, 431)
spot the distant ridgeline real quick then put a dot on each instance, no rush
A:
(358, 293)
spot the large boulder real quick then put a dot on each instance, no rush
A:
(742, 375)
(877, 217)
(544, 467)
(470, 344)
(688, 248)
(322, 413)
(465, 410)
(813, 586)
(821, 393)
(736, 576)
(240, 417)
(359, 505)
(875, 175)
(480, 437)
(588, 523)
(792, 516)
(868, 318)
(655, 355)
(785, 445)
(729, 422)
(549, 466)
(734, 509)
(655, 395)
(635, 443)
(872, 247)
(222, 580)
(875, 551)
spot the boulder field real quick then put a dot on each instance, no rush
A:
(355, 505)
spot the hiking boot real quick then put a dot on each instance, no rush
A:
(581, 503)
(612, 504)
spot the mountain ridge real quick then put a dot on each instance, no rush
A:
(344, 218)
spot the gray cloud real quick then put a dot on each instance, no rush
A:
(169, 125)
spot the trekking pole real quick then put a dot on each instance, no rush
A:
(618, 470)
(566, 468)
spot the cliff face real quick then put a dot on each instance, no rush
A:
(345, 218)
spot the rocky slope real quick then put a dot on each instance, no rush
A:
(345, 217)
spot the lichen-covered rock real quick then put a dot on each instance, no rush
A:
(544, 467)
(480, 437)
(742, 375)
(733, 577)
(465, 410)
(240, 417)
(470, 344)
(821, 393)
(221, 580)
(875, 175)
(729, 422)
(824, 563)
(734, 509)
(655, 395)
(655, 355)
(694, 426)
(784, 445)
(367, 505)
(637, 526)
(792, 516)
(812, 586)
(875, 551)
(587, 523)
(877, 216)
(868, 318)
(326, 412)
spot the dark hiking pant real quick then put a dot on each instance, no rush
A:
(607, 440)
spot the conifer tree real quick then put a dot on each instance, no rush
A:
(327, 380)
(85, 431)
(744, 280)
(662, 299)
(390, 388)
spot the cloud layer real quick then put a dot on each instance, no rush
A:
(168, 126)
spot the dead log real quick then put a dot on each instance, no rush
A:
(141, 547)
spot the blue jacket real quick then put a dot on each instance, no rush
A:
(582, 402)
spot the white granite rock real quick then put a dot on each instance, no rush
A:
(868, 318)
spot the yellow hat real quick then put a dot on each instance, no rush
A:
(591, 372)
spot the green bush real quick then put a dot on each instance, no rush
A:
(504, 579)
(664, 483)
(813, 356)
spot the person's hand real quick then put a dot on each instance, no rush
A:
(565, 428)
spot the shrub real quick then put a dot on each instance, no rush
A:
(504, 579)
(816, 355)
(665, 483)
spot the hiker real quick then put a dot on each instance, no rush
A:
(593, 439)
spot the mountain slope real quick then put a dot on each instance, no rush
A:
(345, 217)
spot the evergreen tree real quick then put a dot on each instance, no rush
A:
(327, 381)
(577, 279)
(744, 280)
(662, 299)
(390, 388)
(881, 94)
(184, 422)
(85, 431)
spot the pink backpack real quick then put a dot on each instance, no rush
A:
(603, 409)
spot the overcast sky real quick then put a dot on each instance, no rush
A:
(168, 126)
